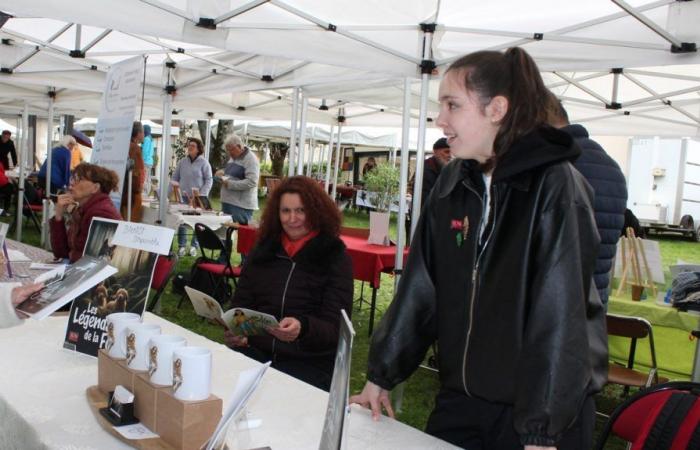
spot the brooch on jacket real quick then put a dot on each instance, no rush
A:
(462, 226)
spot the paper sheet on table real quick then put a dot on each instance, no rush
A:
(247, 382)
(17, 256)
(135, 431)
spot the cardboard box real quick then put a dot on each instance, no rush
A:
(186, 425)
(108, 372)
(146, 400)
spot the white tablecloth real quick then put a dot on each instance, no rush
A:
(46, 385)
(175, 218)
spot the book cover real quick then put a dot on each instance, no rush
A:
(234, 170)
(241, 321)
(63, 286)
(125, 291)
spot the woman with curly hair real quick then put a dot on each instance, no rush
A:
(300, 273)
(87, 197)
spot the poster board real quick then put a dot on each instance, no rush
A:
(117, 113)
(653, 254)
(335, 426)
(132, 249)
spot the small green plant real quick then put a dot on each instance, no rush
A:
(382, 183)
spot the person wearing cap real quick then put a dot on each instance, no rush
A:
(147, 154)
(7, 148)
(432, 167)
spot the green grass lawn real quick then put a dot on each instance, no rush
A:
(421, 388)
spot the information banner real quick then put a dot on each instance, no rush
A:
(113, 129)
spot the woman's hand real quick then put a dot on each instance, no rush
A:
(21, 293)
(63, 202)
(288, 330)
(235, 341)
(374, 398)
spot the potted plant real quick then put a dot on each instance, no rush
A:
(382, 185)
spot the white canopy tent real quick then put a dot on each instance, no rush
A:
(619, 66)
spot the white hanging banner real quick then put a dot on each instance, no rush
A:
(113, 129)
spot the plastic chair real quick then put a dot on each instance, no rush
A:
(216, 257)
(165, 266)
(633, 328)
(665, 416)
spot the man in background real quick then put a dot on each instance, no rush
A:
(239, 181)
(60, 165)
(608, 182)
(7, 149)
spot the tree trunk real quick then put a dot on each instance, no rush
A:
(278, 153)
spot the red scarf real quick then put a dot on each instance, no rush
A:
(293, 247)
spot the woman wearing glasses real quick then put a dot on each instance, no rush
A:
(300, 273)
(87, 197)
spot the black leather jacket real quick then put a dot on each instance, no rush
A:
(514, 315)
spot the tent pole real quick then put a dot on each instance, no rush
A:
(422, 120)
(47, 192)
(312, 151)
(337, 159)
(329, 158)
(207, 141)
(165, 155)
(403, 183)
(302, 134)
(22, 162)
(293, 131)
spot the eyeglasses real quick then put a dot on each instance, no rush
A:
(75, 179)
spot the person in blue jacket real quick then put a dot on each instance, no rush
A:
(608, 182)
(60, 165)
(147, 149)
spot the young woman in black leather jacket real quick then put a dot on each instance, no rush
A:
(500, 273)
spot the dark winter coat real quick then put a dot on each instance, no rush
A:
(610, 187)
(312, 287)
(71, 243)
(515, 317)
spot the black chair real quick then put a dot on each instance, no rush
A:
(664, 416)
(215, 260)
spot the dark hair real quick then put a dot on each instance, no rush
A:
(106, 178)
(6, 132)
(441, 144)
(321, 212)
(136, 129)
(200, 146)
(513, 75)
(556, 113)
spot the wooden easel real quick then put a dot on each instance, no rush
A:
(634, 262)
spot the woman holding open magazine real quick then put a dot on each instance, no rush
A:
(300, 273)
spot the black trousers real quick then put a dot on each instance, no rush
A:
(6, 193)
(476, 424)
(314, 371)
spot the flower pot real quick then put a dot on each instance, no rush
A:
(378, 228)
(637, 291)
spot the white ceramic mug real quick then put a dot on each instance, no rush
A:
(116, 336)
(137, 337)
(192, 373)
(160, 357)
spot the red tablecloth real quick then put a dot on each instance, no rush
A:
(368, 260)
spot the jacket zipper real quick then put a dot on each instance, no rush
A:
(284, 299)
(475, 273)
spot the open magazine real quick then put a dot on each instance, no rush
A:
(63, 285)
(241, 321)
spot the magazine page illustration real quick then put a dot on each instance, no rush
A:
(125, 291)
(241, 321)
(334, 427)
(63, 285)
